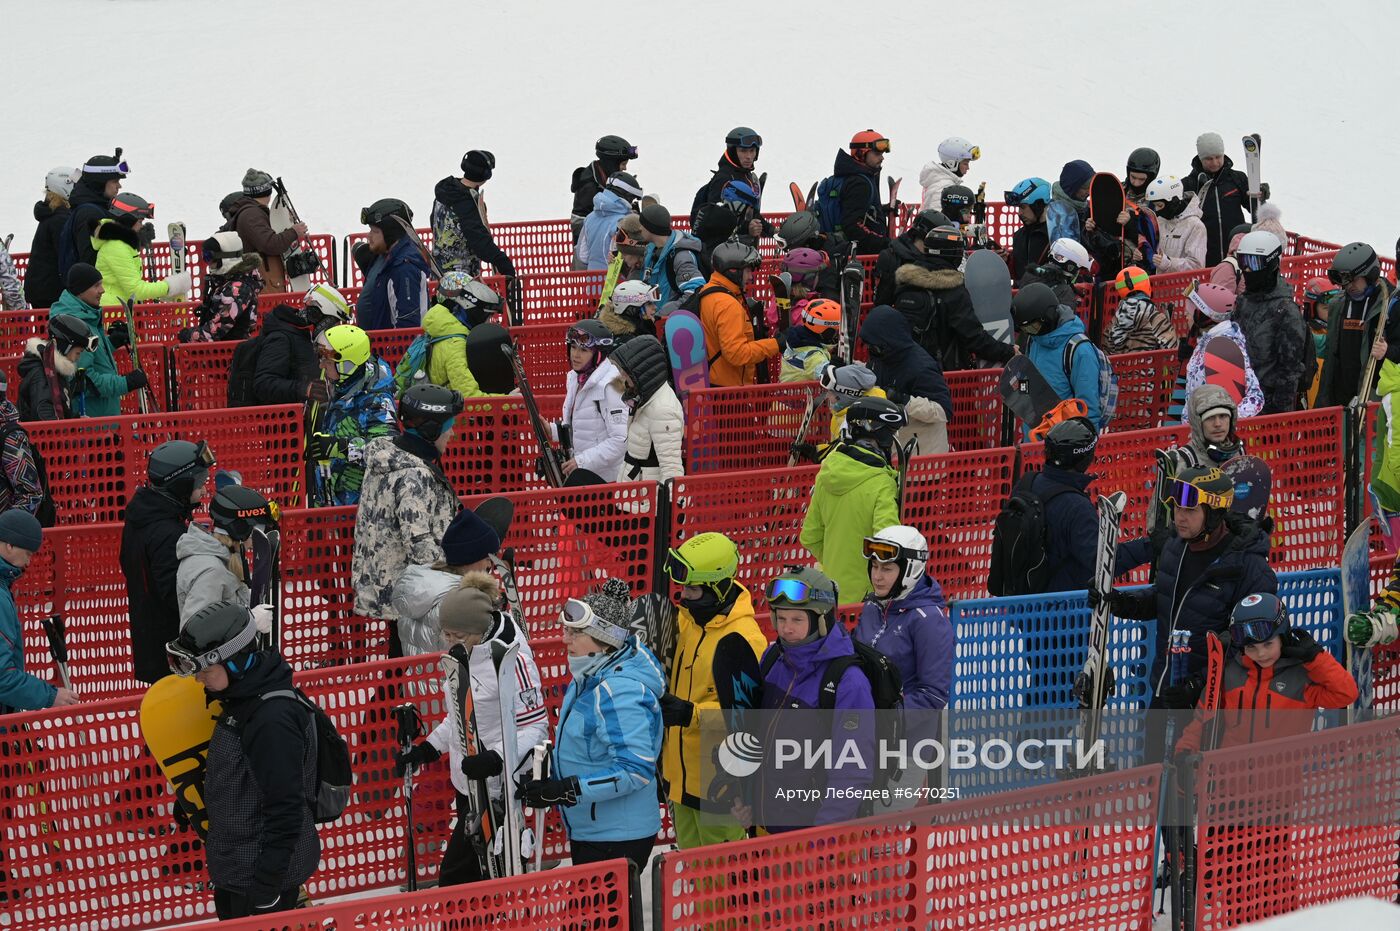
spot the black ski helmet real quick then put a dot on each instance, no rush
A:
(1036, 306)
(131, 209)
(614, 148)
(67, 331)
(1258, 618)
(177, 467)
(731, 257)
(237, 509)
(877, 419)
(945, 241)
(380, 214)
(925, 221)
(426, 409)
(956, 200)
(1070, 444)
(1354, 260)
(1146, 161)
(221, 633)
(799, 229)
(1207, 488)
(742, 137)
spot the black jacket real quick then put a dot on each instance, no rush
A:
(44, 394)
(1224, 201)
(862, 212)
(75, 241)
(1071, 528)
(154, 521)
(455, 196)
(900, 251)
(286, 359)
(899, 363)
(42, 284)
(587, 181)
(931, 295)
(710, 193)
(1030, 245)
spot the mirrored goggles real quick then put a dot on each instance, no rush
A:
(1184, 494)
(1258, 631)
(1253, 262)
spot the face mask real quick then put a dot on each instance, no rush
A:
(582, 666)
(1262, 280)
(705, 608)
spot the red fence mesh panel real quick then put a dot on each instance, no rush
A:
(953, 501)
(544, 356)
(556, 297)
(749, 427)
(1145, 381)
(152, 358)
(976, 422)
(1169, 294)
(1285, 824)
(199, 374)
(495, 449)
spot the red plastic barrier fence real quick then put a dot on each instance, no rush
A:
(495, 450)
(953, 500)
(976, 422)
(1145, 381)
(751, 427)
(555, 297)
(152, 358)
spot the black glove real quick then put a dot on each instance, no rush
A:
(1182, 696)
(896, 396)
(541, 793)
(781, 338)
(482, 765)
(725, 790)
(323, 446)
(1300, 645)
(676, 711)
(317, 390)
(119, 335)
(806, 452)
(420, 754)
(136, 379)
(1084, 686)
(515, 297)
(1116, 600)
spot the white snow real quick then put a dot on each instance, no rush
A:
(1357, 914)
(351, 100)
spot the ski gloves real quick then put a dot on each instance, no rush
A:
(322, 447)
(136, 380)
(119, 335)
(482, 765)
(1083, 689)
(317, 390)
(418, 755)
(1182, 696)
(1300, 645)
(541, 793)
(676, 711)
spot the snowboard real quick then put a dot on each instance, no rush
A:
(177, 725)
(1025, 391)
(988, 283)
(489, 366)
(299, 260)
(1356, 597)
(654, 622)
(1251, 170)
(1094, 696)
(578, 478)
(1225, 367)
(551, 465)
(799, 202)
(461, 704)
(1106, 201)
(685, 343)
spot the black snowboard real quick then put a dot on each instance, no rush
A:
(490, 367)
(1106, 201)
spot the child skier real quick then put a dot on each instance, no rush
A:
(229, 308)
(1217, 305)
(462, 303)
(1138, 324)
(657, 426)
(214, 563)
(810, 342)
(632, 310)
(361, 408)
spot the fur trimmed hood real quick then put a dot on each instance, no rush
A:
(34, 346)
(930, 279)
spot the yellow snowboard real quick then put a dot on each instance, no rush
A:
(177, 725)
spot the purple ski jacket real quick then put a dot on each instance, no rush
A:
(915, 633)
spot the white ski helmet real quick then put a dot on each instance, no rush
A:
(633, 293)
(223, 253)
(1258, 249)
(60, 181)
(904, 546)
(328, 302)
(1065, 251)
(1165, 189)
(954, 149)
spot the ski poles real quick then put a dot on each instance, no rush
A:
(539, 770)
(58, 646)
(410, 728)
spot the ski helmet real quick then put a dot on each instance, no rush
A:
(809, 590)
(1259, 250)
(954, 150)
(221, 633)
(471, 301)
(178, 467)
(227, 206)
(323, 304)
(237, 509)
(1354, 260)
(799, 229)
(223, 254)
(706, 560)
(131, 208)
(822, 317)
(1031, 191)
(731, 257)
(742, 137)
(428, 410)
(625, 185)
(1213, 300)
(877, 419)
(60, 181)
(1258, 618)
(629, 298)
(347, 346)
(594, 336)
(1207, 488)
(1319, 289)
(1131, 279)
(868, 139)
(804, 265)
(1071, 443)
(740, 197)
(379, 214)
(1253, 483)
(1069, 255)
(1036, 309)
(956, 200)
(925, 221)
(67, 333)
(1169, 194)
(614, 148)
(945, 241)
(904, 546)
(1144, 160)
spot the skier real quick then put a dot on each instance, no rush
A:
(395, 292)
(42, 281)
(907, 247)
(250, 217)
(260, 779)
(229, 306)
(1352, 319)
(1213, 444)
(1030, 244)
(803, 230)
(618, 198)
(214, 563)
(286, 369)
(657, 423)
(101, 388)
(118, 241)
(730, 344)
(911, 378)
(462, 303)
(1318, 294)
(20, 538)
(671, 262)
(99, 180)
(1273, 328)
(810, 344)
(631, 311)
(1217, 305)
(854, 494)
(848, 202)
(462, 237)
(1221, 191)
(406, 502)
(1182, 241)
(1063, 265)
(594, 415)
(612, 155)
(1143, 166)
(1138, 324)
(728, 219)
(23, 480)
(1058, 348)
(741, 151)
(628, 249)
(361, 408)
(48, 370)
(1069, 202)
(955, 157)
(155, 519)
(469, 620)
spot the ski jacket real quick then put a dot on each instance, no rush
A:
(19, 690)
(914, 632)
(1047, 354)
(253, 223)
(42, 284)
(462, 238)
(1253, 400)
(1071, 527)
(1030, 246)
(405, 506)
(714, 223)
(852, 498)
(674, 269)
(396, 289)
(593, 408)
(935, 177)
(529, 724)
(599, 228)
(805, 356)
(205, 576)
(725, 172)
(286, 362)
(259, 783)
(609, 736)
(89, 205)
(932, 296)
(900, 251)
(228, 310)
(654, 439)
(416, 597)
(1385, 471)
(1139, 326)
(904, 367)
(1181, 245)
(729, 337)
(45, 382)
(101, 387)
(118, 251)
(586, 182)
(1277, 345)
(358, 413)
(1332, 390)
(154, 523)
(1064, 217)
(20, 483)
(862, 212)
(715, 669)
(1224, 203)
(793, 682)
(447, 364)
(1269, 702)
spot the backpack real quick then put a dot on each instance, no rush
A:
(413, 367)
(1108, 382)
(1019, 562)
(47, 512)
(243, 366)
(690, 301)
(828, 205)
(334, 775)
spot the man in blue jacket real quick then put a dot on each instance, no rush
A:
(1071, 370)
(395, 294)
(910, 377)
(20, 538)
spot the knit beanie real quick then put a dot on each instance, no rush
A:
(257, 183)
(478, 164)
(612, 603)
(468, 539)
(1075, 175)
(20, 528)
(82, 276)
(1209, 145)
(656, 220)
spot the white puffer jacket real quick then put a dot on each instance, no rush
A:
(936, 176)
(1181, 244)
(657, 426)
(598, 417)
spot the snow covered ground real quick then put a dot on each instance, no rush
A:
(351, 100)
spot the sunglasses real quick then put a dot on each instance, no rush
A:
(1186, 495)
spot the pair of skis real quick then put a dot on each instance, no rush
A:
(551, 459)
(1092, 688)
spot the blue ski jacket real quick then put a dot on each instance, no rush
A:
(1047, 355)
(395, 294)
(19, 691)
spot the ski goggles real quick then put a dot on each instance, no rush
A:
(578, 617)
(879, 145)
(1243, 633)
(93, 341)
(585, 340)
(203, 459)
(796, 592)
(184, 661)
(140, 212)
(1253, 262)
(120, 168)
(883, 551)
(683, 573)
(1186, 495)
(1341, 278)
(746, 141)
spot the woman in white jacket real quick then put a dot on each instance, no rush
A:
(1181, 241)
(658, 421)
(594, 415)
(955, 157)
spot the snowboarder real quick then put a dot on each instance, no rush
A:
(250, 217)
(613, 153)
(616, 200)
(730, 343)
(361, 408)
(1069, 202)
(118, 241)
(1143, 166)
(99, 180)
(848, 202)
(1138, 324)
(1275, 336)
(911, 378)
(595, 419)
(955, 158)
(42, 280)
(1030, 244)
(671, 262)
(1220, 190)
(1051, 326)
(20, 538)
(1217, 305)
(657, 423)
(214, 562)
(1352, 319)
(741, 150)
(395, 292)
(462, 303)
(228, 308)
(1181, 244)
(468, 544)
(48, 371)
(462, 237)
(730, 218)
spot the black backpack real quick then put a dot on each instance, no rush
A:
(1019, 563)
(241, 370)
(47, 512)
(334, 775)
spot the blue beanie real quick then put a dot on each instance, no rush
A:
(21, 529)
(468, 539)
(1075, 175)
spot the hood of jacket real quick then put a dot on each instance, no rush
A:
(846, 165)
(439, 321)
(86, 193)
(925, 591)
(903, 249)
(1058, 193)
(419, 590)
(849, 466)
(405, 252)
(197, 541)
(288, 319)
(886, 329)
(629, 661)
(42, 211)
(646, 362)
(923, 275)
(837, 642)
(582, 175)
(608, 204)
(1070, 325)
(34, 355)
(149, 506)
(451, 191)
(1203, 399)
(109, 230)
(243, 203)
(935, 172)
(384, 456)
